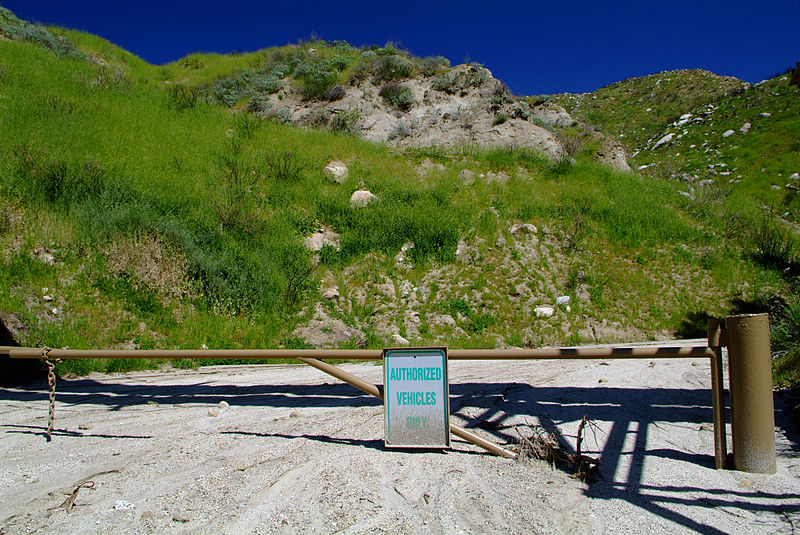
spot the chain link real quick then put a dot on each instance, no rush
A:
(51, 382)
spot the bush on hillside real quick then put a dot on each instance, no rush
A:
(14, 28)
(54, 181)
(334, 93)
(315, 79)
(344, 122)
(182, 97)
(774, 245)
(397, 95)
(228, 91)
(283, 166)
(433, 64)
(393, 68)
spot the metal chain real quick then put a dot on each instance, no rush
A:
(51, 382)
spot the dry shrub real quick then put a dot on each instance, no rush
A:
(537, 443)
(157, 266)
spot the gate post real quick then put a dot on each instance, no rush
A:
(752, 409)
(716, 340)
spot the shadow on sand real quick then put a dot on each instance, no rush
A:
(630, 412)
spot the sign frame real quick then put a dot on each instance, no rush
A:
(389, 391)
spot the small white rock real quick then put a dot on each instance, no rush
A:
(745, 128)
(223, 404)
(336, 170)
(727, 133)
(362, 197)
(764, 114)
(122, 505)
(543, 311)
(794, 176)
(562, 300)
(330, 294)
(213, 412)
(54, 311)
(663, 141)
(47, 298)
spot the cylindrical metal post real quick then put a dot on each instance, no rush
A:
(752, 409)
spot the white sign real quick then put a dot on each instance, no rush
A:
(416, 398)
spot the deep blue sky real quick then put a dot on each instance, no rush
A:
(535, 47)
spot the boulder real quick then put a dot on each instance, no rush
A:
(361, 198)
(500, 177)
(336, 170)
(613, 155)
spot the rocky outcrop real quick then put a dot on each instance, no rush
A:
(466, 105)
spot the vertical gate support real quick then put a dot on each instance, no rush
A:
(716, 340)
(752, 408)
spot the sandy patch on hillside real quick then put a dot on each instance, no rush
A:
(296, 451)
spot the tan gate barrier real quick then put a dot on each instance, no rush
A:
(752, 412)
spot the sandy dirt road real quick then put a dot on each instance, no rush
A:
(297, 452)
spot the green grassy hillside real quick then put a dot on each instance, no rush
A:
(133, 216)
(734, 150)
(634, 110)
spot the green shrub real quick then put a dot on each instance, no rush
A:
(283, 166)
(263, 82)
(774, 245)
(259, 105)
(393, 67)
(182, 97)
(344, 122)
(443, 82)
(521, 111)
(397, 95)
(233, 199)
(39, 179)
(245, 125)
(785, 328)
(15, 28)
(228, 91)
(334, 93)
(106, 78)
(433, 64)
(499, 119)
(315, 79)
(339, 62)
